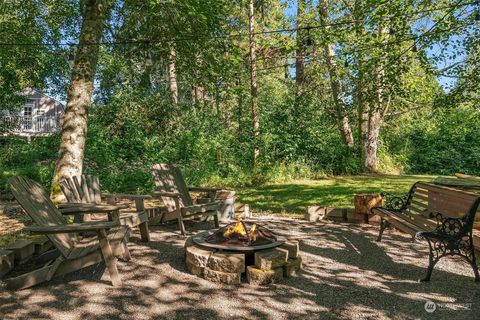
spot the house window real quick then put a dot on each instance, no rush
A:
(39, 122)
(27, 110)
(27, 116)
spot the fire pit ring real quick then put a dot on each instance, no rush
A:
(242, 250)
(201, 237)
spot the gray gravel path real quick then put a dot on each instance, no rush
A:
(346, 275)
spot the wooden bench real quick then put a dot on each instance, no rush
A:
(443, 216)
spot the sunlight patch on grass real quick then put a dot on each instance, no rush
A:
(293, 198)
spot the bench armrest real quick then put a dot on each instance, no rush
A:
(447, 227)
(395, 203)
(71, 228)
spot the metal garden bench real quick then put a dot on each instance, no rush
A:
(443, 216)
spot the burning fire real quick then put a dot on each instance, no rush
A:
(252, 234)
(239, 229)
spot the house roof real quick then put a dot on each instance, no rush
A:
(37, 94)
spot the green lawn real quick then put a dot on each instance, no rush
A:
(292, 198)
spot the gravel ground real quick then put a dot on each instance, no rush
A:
(346, 275)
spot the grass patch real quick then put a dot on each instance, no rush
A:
(291, 199)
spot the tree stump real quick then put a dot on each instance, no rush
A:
(366, 201)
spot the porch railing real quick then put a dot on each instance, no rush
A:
(23, 124)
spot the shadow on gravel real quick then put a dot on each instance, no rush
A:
(346, 275)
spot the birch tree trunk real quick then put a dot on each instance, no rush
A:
(335, 81)
(172, 74)
(253, 83)
(198, 90)
(74, 129)
(198, 94)
(372, 120)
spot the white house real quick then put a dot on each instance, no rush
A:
(39, 116)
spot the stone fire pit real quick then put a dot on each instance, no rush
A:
(243, 256)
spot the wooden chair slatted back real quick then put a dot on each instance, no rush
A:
(169, 178)
(450, 202)
(36, 203)
(82, 189)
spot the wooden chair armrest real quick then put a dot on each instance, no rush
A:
(127, 196)
(74, 227)
(63, 206)
(200, 189)
(86, 208)
(199, 208)
(166, 194)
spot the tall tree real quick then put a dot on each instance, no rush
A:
(300, 48)
(335, 80)
(172, 74)
(253, 83)
(372, 114)
(79, 98)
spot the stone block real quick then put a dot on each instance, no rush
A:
(271, 258)
(314, 213)
(193, 268)
(42, 245)
(292, 246)
(7, 259)
(198, 255)
(227, 262)
(353, 217)
(188, 243)
(259, 276)
(22, 249)
(340, 214)
(374, 220)
(292, 267)
(476, 241)
(221, 277)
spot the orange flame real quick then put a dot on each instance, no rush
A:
(238, 229)
(252, 233)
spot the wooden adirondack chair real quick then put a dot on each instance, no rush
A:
(86, 189)
(72, 251)
(173, 191)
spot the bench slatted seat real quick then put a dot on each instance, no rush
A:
(73, 251)
(173, 191)
(443, 216)
(85, 189)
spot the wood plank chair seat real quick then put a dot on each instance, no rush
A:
(85, 189)
(173, 191)
(75, 252)
(443, 216)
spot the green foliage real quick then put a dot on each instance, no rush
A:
(35, 160)
(133, 124)
(442, 141)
